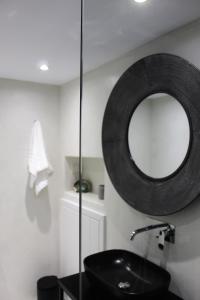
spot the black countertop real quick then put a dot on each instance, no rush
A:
(70, 285)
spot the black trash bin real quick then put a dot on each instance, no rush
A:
(47, 288)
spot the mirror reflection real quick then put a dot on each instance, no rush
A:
(159, 135)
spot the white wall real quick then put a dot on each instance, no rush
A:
(28, 225)
(183, 258)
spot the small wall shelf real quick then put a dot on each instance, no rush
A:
(93, 170)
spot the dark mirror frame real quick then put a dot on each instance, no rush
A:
(158, 73)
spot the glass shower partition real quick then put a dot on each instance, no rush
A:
(116, 35)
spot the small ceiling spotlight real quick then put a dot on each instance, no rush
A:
(44, 67)
(140, 1)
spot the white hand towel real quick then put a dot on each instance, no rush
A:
(38, 164)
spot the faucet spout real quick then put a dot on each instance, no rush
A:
(167, 227)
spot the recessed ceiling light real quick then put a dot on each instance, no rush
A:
(140, 1)
(44, 67)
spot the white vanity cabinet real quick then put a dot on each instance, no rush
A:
(93, 230)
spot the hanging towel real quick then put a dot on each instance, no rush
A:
(38, 165)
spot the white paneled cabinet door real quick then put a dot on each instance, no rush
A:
(93, 232)
(69, 241)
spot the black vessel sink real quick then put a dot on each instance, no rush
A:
(126, 275)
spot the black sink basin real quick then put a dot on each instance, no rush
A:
(126, 275)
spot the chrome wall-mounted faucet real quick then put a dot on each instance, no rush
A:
(168, 229)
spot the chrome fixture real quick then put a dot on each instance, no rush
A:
(124, 285)
(168, 229)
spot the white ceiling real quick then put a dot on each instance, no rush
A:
(36, 31)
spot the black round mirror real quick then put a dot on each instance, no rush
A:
(150, 134)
